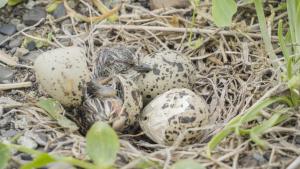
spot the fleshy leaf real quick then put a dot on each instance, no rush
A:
(102, 144)
(222, 12)
(55, 110)
(4, 154)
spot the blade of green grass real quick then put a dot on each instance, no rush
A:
(238, 121)
(264, 32)
(257, 131)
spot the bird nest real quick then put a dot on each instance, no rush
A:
(233, 73)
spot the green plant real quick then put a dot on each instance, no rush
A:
(291, 77)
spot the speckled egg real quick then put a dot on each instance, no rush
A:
(62, 73)
(168, 69)
(121, 109)
(113, 59)
(173, 113)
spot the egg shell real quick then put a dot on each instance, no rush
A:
(132, 105)
(171, 114)
(125, 115)
(170, 69)
(63, 73)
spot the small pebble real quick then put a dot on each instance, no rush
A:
(60, 165)
(9, 133)
(26, 157)
(20, 52)
(27, 142)
(33, 16)
(259, 158)
(8, 29)
(60, 11)
(39, 138)
(15, 21)
(20, 26)
(31, 45)
(31, 56)
(16, 42)
(6, 74)
(297, 139)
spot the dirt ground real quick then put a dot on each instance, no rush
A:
(233, 72)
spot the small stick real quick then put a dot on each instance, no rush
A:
(15, 85)
(295, 164)
(182, 30)
(8, 60)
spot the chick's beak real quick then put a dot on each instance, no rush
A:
(143, 68)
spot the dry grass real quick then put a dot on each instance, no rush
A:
(234, 72)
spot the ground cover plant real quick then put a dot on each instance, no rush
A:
(246, 55)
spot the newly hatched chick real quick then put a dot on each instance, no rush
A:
(113, 59)
(114, 100)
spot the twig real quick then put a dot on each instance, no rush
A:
(295, 164)
(182, 30)
(8, 60)
(15, 85)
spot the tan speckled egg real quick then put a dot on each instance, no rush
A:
(171, 114)
(63, 73)
(120, 111)
(169, 69)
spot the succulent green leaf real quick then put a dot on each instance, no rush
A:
(55, 110)
(4, 154)
(102, 144)
(222, 12)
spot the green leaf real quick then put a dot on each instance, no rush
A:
(55, 110)
(187, 164)
(4, 154)
(13, 2)
(53, 5)
(3, 3)
(40, 161)
(102, 144)
(222, 12)
(257, 131)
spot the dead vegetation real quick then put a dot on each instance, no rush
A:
(234, 72)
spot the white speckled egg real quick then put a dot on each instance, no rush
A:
(63, 73)
(171, 114)
(168, 69)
